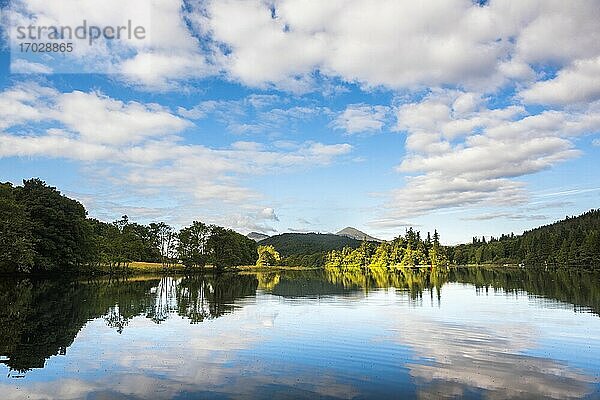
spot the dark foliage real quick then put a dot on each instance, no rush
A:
(572, 242)
(54, 225)
(42, 230)
(294, 244)
(305, 260)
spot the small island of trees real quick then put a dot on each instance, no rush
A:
(408, 250)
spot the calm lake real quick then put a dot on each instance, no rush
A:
(467, 333)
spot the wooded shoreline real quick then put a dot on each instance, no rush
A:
(43, 231)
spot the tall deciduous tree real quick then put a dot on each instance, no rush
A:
(267, 255)
(58, 225)
(192, 246)
(228, 248)
(165, 240)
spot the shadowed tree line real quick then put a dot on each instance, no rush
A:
(290, 244)
(40, 318)
(42, 230)
(307, 249)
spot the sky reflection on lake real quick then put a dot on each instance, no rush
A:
(304, 335)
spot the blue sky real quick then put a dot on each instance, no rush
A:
(301, 116)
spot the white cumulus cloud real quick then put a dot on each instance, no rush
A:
(140, 149)
(473, 156)
(577, 83)
(359, 118)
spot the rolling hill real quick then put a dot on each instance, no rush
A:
(289, 244)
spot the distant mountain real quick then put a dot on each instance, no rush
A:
(356, 234)
(288, 244)
(256, 236)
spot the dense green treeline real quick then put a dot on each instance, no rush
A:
(42, 230)
(40, 227)
(306, 260)
(406, 250)
(572, 242)
(269, 256)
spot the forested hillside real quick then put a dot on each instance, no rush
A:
(574, 242)
(307, 249)
(288, 244)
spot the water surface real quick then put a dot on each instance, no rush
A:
(468, 333)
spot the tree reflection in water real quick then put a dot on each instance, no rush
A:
(41, 317)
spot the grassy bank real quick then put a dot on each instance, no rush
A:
(138, 267)
(254, 268)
